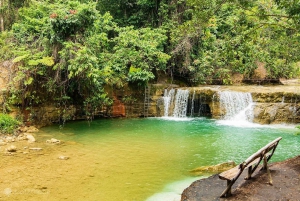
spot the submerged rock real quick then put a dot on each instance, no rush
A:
(11, 148)
(53, 141)
(63, 157)
(213, 169)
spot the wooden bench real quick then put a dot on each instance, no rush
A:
(251, 164)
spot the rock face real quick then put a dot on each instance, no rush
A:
(276, 107)
(118, 108)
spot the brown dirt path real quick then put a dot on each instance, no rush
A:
(286, 185)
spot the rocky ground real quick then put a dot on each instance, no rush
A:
(286, 185)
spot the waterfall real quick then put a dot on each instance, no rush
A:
(238, 105)
(181, 100)
(180, 103)
(168, 96)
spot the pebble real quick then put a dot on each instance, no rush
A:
(63, 157)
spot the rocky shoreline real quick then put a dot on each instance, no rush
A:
(22, 133)
(25, 134)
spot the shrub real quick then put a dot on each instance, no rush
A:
(8, 124)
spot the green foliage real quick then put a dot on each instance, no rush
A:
(71, 19)
(69, 51)
(230, 38)
(6, 46)
(140, 49)
(8, 124)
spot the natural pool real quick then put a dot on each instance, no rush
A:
(150, 159)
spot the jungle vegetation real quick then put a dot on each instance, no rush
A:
(67, 52)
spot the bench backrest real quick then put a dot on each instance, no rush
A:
(260, 153)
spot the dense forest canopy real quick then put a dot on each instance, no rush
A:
(69, 51)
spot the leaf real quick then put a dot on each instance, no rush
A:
(28, 81)
(47, 61)
(20, 58)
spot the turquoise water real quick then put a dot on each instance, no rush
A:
(150, 159)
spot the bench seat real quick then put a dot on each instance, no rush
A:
(251, 163)
(231, 173)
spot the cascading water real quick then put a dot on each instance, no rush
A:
(238, 105)
(181, 100)
(180, 103)
(168, 96)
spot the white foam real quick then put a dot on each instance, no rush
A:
(239, 123)
(165, 196)
(177, 118)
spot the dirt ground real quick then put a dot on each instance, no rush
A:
(286, 185)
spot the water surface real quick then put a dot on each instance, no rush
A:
(140, 159)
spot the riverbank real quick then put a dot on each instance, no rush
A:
(286, 185)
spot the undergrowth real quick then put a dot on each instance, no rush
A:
(8, 124)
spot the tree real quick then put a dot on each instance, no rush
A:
(223, 38)
(68, 52)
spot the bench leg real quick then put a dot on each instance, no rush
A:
(227, 191)
(268, 170)
(249, 173)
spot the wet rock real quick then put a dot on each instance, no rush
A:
(214, 168)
